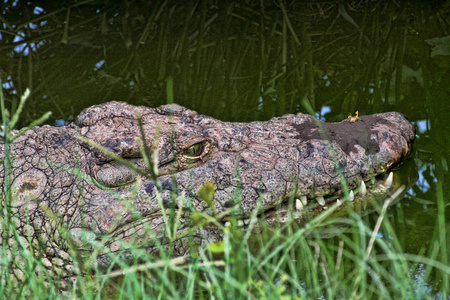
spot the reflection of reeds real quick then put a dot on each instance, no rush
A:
(258, 61)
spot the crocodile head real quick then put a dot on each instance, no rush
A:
(247, 163)
(249, 166)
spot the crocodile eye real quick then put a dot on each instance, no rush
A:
(193, 153)
(194, 150)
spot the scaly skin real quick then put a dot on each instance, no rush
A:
(64, 188)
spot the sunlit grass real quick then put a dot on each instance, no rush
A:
(290, 265)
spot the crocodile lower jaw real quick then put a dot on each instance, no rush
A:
(370, 190)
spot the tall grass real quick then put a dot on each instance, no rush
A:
(290, 263)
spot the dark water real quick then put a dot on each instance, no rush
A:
(244, 62)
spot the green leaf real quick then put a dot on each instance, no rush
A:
(198, 218)
(206, 193)
(217, 247)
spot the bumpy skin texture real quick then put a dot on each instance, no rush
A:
(284, 157)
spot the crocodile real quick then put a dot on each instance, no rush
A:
(70, 193)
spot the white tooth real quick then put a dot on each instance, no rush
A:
(227, 224)
(298, 204)
(321, 201)
(388, 182)
(247, 221)
(240, 223)
(338, 202)
(363, 189)
(351, 196)
(304, 200)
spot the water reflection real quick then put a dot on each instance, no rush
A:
(422, 125)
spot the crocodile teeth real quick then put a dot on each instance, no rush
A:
(351, 196)
(321, 201)
(298, 204)
(363, 189)
(388, 182)
(239, 223)
(304, 200)
(338, 202)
